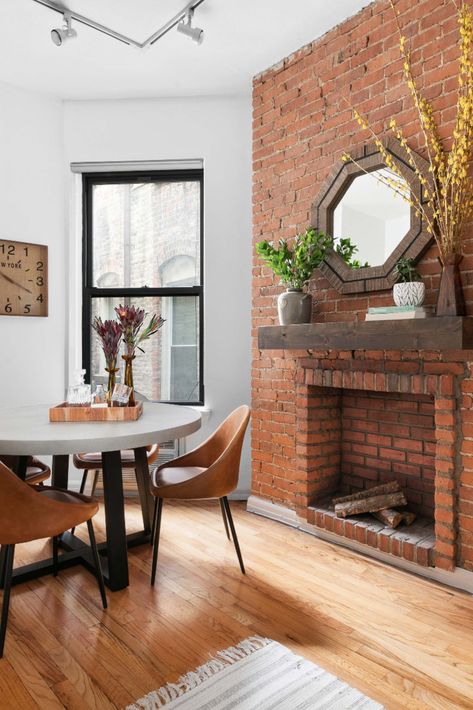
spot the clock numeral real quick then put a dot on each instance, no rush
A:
(7, 250)
(8, 308)
(39, 281)
(10, 249)
(25, 249)
(39, 266)
(27, 308)
(40, 298)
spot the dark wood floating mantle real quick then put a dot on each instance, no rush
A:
(436, 333)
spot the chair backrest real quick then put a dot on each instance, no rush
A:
(27, 515)
(231, 432)
(223, 454)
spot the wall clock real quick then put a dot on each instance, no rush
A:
(23, 279)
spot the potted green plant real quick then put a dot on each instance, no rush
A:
(294, 266)
(410, 289)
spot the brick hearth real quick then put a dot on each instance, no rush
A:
(415, 543)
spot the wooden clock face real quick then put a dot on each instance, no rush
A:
(23, 279)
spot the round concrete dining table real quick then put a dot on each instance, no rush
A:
(26, 431)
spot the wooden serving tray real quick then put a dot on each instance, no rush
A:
(64, 413)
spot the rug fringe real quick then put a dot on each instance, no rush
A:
(160, 697)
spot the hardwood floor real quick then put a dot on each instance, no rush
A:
(404, 641)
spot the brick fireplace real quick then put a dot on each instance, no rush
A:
(357, 428)
(341, 421)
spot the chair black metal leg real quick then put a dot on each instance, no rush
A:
(157, 529)
(224, 516)
(56, 540)
(84, 481)
(234, 535)
(153, 525)
(94, 484)
(98, 566)
(9, 555)
(3, 552)
(81, 490)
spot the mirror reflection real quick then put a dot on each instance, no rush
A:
(373, 217)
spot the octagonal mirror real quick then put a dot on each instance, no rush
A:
(381, 226)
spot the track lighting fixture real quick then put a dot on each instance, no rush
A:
(61, 34)
(182, 20)
(185, 26)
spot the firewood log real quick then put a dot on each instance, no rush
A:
(408, 517)
(391, 487)
(390, 517)
(370, 505)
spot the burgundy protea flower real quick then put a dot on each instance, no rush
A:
(110, 334)
(131, 320)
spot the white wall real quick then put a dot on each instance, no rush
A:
(219, 132)
(32, 353)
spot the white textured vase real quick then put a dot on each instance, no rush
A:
(294, 306)
(411, 293)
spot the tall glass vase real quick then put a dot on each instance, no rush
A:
(128, 379)
(112, 381)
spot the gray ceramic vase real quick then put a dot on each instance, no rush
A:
(294, 306)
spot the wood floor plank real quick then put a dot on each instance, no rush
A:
(36, 685)
(402, 640)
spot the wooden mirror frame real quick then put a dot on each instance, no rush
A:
(414, 243)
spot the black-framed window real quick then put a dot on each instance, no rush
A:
(143, 244)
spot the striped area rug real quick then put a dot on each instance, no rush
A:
(257, 674)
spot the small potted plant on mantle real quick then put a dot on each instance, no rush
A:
(294, 266)
(410, 289)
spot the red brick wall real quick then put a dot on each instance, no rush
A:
(301, 127)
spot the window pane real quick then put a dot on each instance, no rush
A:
(146, 234)
(168, 370)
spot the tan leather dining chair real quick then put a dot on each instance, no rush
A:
(34, 512)
(209, 471)
(36, 471)
(93, 462)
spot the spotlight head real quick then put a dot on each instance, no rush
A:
(60, 34)
(185, 26)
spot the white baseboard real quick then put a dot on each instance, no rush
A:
(459, 578)
(239, 495)
(267, 509)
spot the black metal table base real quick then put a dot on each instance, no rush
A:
(76, 552)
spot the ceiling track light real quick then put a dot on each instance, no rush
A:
(184, 18)
(196, 34)
(60, 34)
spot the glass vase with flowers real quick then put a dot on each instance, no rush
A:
(134, 332)
(110, 335)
